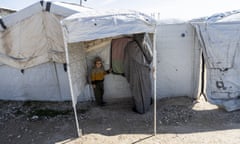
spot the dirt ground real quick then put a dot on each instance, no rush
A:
(179, 121)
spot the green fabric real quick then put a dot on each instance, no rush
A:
(117, 66)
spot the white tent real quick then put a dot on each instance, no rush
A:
(219, 38)
(33, 42)
(178, 60)
(32, 54)
(88, 31)
(33, 38)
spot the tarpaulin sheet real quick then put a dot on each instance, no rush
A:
(220, 38)
(117, 54)
(138, 59)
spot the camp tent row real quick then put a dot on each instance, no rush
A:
(31, 39)
(32, 43)
(46, 52)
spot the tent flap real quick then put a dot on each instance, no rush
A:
(220, 37)
(138, 72)
(77, 69)
(220, 43)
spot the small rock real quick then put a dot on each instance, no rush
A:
(35, 117)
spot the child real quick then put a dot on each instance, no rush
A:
(97, 77)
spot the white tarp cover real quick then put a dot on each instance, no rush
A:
(101, 24)
(45, 82)
(220, 37)
(178, 60)
(96, 25)
(33, 36)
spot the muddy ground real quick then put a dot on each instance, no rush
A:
(179, 121)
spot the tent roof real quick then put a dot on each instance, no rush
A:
(90, 25)
(230, 16)
(58, 8)
(170, 21)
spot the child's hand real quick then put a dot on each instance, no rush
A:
(94, 86)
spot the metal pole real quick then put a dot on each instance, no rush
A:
(155, 82)
(79, 131)
(80, 2)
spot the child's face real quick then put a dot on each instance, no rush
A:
(98, 64)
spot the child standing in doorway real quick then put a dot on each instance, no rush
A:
(97, 78)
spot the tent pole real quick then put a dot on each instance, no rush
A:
(155, 81)
(74, 102)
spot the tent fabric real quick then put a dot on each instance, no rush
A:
(77, 69)
(117, 54)
(93, 25)
(84, 27)
(45, 82)
(39, 43)
(34, 36)
(221, 41)
(57, 8)
(138, 72)
(219, 36)
(178, 60)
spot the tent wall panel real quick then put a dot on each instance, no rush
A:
(43, 82)
(116, 86)
(78, 71)
(63, 82)
(178, 61)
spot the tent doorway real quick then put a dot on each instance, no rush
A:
(132, 57)
(97, 29)
(129, 56)
(137, 62)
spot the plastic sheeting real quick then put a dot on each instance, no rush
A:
(219, 36)
(93, 25)
(221, 42)
(77, 69)
(138, 71)
(40, 42)
(45, 82)
(117, 54)
(34, 35)
(178, 60)
(56, 8)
